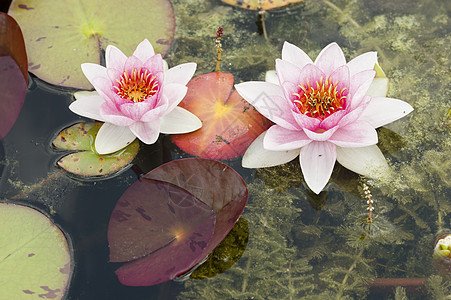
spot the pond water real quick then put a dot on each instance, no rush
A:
(300, 246)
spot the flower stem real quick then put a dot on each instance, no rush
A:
(219, 48)
(261, 15)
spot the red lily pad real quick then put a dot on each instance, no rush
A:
(34, 254)
(265, 4)
(12, 43)
(13, 73)
(229, 123)
(86, 162)
(61, 35)
(151, 240)
(165, 225)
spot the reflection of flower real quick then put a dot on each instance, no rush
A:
(325, 113)
(136, 98)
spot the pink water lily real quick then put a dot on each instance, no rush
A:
(136, 97)
(323, 111)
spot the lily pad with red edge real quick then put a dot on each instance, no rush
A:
(162, 228)
(86, 162)
(61, 35)
(265, 4)
(34, 254)
(13, 73)
(229, 123)
(213, 182)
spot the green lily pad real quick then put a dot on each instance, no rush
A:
(61, 35)
(34, 255)
(86, 162)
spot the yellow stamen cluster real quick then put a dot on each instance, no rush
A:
(321, 101)
(136, 86)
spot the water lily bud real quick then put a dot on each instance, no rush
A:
(442, 255)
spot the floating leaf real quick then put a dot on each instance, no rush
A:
(229, 123)
(61, 35)
(162, 223)
(87, 162)
(12, 43)
(265, 4)
(13, 73)
(226, 254)
(146, 222)
(213, 182)
(34, 255)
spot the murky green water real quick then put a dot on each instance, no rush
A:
(300, 246)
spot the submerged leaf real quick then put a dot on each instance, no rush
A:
(87, 162)
(229, 123)
(226, 254)
(61, 35)
(163, 225)
(34, 255)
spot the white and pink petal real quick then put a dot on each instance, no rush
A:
(155, 65)
(179, 120)
(110, 114)
(365, 61)
(173, 94)
(367, 161)
(93, 71)
(356, 134)
(180, 74)
(278, 138)
(271, 77)
(268, 99)
(320, 136)
(378, 87)
(146, 132)
(317, 162)
(88, 106)
(258, 157)
(112, 138)
(144, 50)
(381, 111)
(330, 58)
(295, 55)
(114, 58)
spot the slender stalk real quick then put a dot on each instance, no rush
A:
(345, 279)
(219, 48)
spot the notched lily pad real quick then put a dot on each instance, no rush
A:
(61, 35)
(229, 123)
(86, 162)
(34, 254)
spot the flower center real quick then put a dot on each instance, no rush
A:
(136, 86)
(320, 101)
